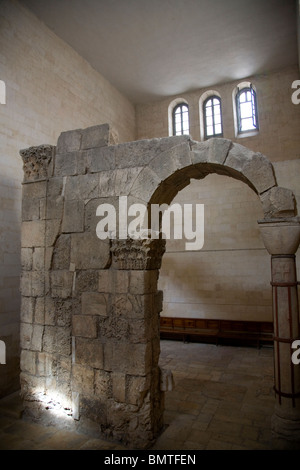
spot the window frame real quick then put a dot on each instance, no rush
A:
(212, 97)
(180, 105)
(255, 122)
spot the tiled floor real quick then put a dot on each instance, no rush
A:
(222, 399)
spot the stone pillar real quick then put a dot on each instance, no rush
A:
(134, 357)
(281, 238)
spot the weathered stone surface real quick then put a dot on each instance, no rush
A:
(133, 359)
(89, 352)
(54, 208)
(27, 309)
(32, 284)
(69, 141)
(61, 252)
(26, 258)
(34, 191)
(105, 281)
(211, 151)
(100, 159)
(140, 153)
(136, 389)
(82, 379)
(145, 184)
(52, 231)
(61, 284)
(278, 202)
(38, 259)
(94, 303)
(143, 282)
(254, 166)
(30, 209)
(33, 233)
(137, 254)
(89, 252)
(28, 361)
(84, 326)
(82, 187)
(103, 384)
(98, 136)
(171, 161)
(71, 163)
(37, 162)
(73, 217)
(119, 386)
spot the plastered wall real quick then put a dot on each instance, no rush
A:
(49, 88)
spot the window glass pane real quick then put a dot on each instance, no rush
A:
(208, 111)
(209, 121)
(247, 124)
(216, 101)
(242, 97)
(218, 119)
(218, 129)
(246, 110)
(210, 130)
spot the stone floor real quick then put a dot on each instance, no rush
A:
(222, 399)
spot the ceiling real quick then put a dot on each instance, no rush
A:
(150, 49)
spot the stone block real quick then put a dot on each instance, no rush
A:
(211, 151)
(30, 209)
(143, 282)
(33, 233)
(86, 280)
(26, 258)
(82, 187)
(137, 387)
(25, 335)
(71, 163)
(32, 283)
(103, 384)
(44, 364)
(84, 326)
(120, 282)
(89, 352)
(97, 136)
(254, 166)
(49, 339)
(82, 379)
(69, 141)
(39, 311)
(61, 284)
(167, 163)
(89, 252)
(94, 303)
(100, 159)
(145, 184)
(27, 309)
(37, 338)
(28, 362)
(63, 340)
(61, 253)
(105, 281)
(38, 259)
(54, 207)
(52, 231)
(34, 191)
(133, 306)
(278, 202)
(73, 217)
(119, 386)
(133, 359)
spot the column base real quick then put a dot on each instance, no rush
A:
(285, 433)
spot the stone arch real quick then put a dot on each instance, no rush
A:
(170, 171)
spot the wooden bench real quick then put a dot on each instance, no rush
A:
(217, 331)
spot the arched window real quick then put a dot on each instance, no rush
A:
(246, 109)
(212, 114)
(181, 123)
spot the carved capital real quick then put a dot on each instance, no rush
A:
(37, 162)
(137, 254)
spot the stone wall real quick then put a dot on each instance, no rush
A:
(90, 307)
(49, 87)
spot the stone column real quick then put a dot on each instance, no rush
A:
(281, 238)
